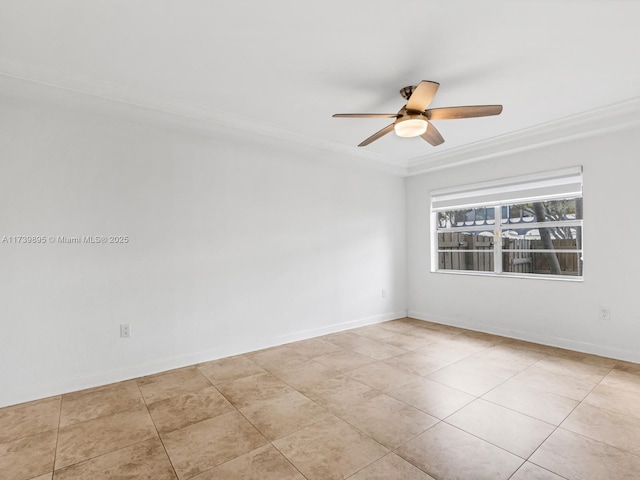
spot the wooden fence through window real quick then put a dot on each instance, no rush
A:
(458, 257)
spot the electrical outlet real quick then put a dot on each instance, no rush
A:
(384, 293)
(604, 313)
(125, 330)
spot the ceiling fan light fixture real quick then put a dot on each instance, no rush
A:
(413, 120)
(410, 126)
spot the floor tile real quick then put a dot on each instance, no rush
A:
(343, 339)
(484, 364)
(416, 363)
(244, 391)
(30, 418)
(585, 358)
(449, 329)
(228, 369)
(366, 346)
(98, 402)
(278, 358)
(46, 476)
(175, 382)
(284, 414)
(375, 332)
(344, 360)
(546, 406)
(146, 459)
(512, 431)
(432, 397)
(488, 338)
(28, 457)
(329, 449)
(615, 398)
(82, 441)
(563, 385)
(431, 335)
(627, 367)
(382, 376)
(406, 341)
(529, 471)
(264, 463)
(339, 393)
(511, 354)
(305, 375)
(445, 452)
(468, 380)
(450, 351)
(401, 325)
(391, 467)
(182, 410)
(524, 346)
(209, 443)
(605, 426)
(580, 458)
(622, 380)
(314, 347)
(387, 420)
(574, 368)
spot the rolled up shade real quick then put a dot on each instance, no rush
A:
(565, 183)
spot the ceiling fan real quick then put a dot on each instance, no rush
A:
(414, 119)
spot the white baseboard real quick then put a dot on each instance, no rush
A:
(600, 350)
(21, 393)
(338, 327)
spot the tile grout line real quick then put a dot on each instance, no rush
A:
(604, 408)
(55, 452)
(333, 413)
(565, 418)
(268, 442)
(524, 460)
(166, 452)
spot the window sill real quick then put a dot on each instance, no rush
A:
(511, 275)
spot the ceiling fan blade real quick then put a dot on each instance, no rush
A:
(432, 135)
(377, 135)
(365, 115)
(463, 112)
(422, 95)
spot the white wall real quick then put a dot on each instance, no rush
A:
(236, 243)
(551, 312)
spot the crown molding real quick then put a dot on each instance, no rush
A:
(183, 114)
(175, 113)
(617, 116)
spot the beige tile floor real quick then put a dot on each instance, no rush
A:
(404, 399)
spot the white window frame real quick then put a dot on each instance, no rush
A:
(555, 185)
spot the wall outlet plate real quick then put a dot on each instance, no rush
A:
(604, 313)
(125, 330)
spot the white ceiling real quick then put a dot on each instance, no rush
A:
(287, 65)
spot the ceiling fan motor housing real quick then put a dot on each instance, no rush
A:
(407, 91)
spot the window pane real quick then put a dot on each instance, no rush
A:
(466, 218)
(547, 211)
(543, 263)
(548, 238)
(454, 251)
(452, 218)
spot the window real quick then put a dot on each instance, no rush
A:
(526, 226)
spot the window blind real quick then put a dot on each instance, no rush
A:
(565, 183)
